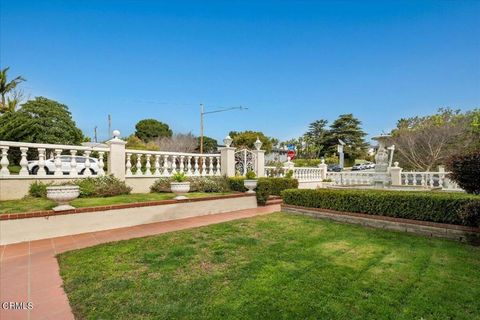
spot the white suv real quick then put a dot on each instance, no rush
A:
(50, 165)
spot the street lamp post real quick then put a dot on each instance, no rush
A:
(202, 113)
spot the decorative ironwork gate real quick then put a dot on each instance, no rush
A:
(245, 161)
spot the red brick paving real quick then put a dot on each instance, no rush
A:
(29, 271)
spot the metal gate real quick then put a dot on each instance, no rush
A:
(245, 160)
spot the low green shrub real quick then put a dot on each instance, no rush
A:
(161, 185)
(180, 177)
(209, 184)
(197, 184)
(236, 184)
(38, 189)
(453, 208)
(250, 175)
(104, 186)
(307, 162)
(273, 186)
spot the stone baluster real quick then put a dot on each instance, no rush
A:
(196, 172)
(128, 165)
(210, 166)
(58, 163)
(41, 162)
(165, 172)
(4, 162)
(101, 171)
(218, 172)
(86, 171)
(182, 164)
(157, 165)
(23, 162)
(173, 165)
(189, 165)
(73, 163)
(431, 180)
(139, 165)
(148, 165)
(422, 181)
(204, 166)
(441, 180)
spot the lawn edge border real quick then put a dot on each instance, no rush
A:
(47, 213)
(426, 228)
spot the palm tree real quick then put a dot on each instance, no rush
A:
(6, 87)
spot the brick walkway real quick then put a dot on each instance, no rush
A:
(29, 271)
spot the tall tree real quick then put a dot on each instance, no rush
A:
(151, 129)
(246, 139)
(425, 142)
(348, 129)
(316, 138)
(42, 121)
(210, 145)
(7, 87)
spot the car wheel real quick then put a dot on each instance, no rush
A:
(34, 170)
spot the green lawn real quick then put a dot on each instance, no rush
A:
(38, 204)
(277, 266)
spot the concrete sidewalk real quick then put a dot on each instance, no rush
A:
(29, 271)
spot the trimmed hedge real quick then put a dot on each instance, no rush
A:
(452, 208)
(273, 186)
(236, 184)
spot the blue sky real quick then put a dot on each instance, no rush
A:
(289, 62)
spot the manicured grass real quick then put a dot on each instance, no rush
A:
(278, 266)
(38, 204)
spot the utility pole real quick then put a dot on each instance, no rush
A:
(95, 134)
(201, 127)
(109, 126)
(202, 113)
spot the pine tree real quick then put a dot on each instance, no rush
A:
(348, 129)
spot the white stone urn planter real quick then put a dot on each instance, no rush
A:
(62, 195)
(250, 185)
(180, 188)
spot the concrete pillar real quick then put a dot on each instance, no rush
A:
(227, 160)
(396, 175)
(260, 162)
(116, 156)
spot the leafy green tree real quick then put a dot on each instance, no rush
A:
(316, 138)
(151, 129)
(348, 129)
(6, 88)
(210, 145)
(42, 121)
(246, 139)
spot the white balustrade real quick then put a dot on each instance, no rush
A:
(58, 164)
(168, 163)
(429, 180)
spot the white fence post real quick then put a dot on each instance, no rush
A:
(396, 175)
(227, 158)
(324, 167)
(116, 156)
